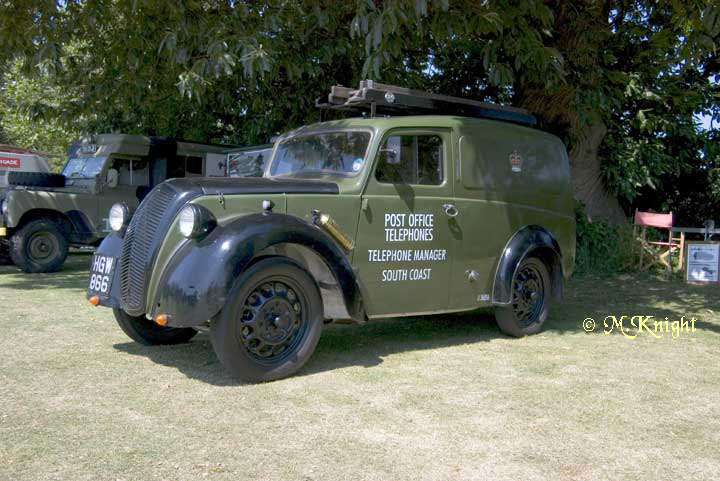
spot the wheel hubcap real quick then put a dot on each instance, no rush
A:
(41, 246)
(528, 295)
(272, 321)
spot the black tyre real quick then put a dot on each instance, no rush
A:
(39, 246)
(530, 303)
(271, 323)
(36, 179)
(142, 330)
(5, 253)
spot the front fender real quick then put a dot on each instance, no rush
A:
(195, 284)
(22, 201)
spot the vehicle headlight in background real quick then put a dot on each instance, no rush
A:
(119, 217)
(195, 220)
(4, 207)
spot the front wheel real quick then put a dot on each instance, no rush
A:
(528, 310)
(39, 246)
(271, 323)
(142, 330)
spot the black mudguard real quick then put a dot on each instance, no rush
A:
(523, 242)
(196, 282)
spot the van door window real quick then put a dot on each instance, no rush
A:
(411, 159)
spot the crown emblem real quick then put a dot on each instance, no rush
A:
(515, 161)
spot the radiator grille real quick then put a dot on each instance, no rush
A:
(138, 248)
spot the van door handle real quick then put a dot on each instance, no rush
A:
(450, 210)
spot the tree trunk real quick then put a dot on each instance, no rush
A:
(586, 176)
(581, 31)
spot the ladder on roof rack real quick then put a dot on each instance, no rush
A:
(378, 98)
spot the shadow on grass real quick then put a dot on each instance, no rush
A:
(73, 275)
(340, 345)
(367, 345)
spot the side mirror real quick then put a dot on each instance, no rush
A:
(112, 178)
(392, 150)
(391, 156)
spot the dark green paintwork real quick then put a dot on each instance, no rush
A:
(90, 199)
(493, 203)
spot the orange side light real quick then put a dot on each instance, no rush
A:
(94, 300)
(162, 319)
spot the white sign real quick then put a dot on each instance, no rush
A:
(702, 262)
(87, 149)
(403, 228)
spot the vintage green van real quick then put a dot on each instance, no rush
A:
(386, 215)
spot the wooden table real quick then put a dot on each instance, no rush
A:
(706, 232)
(697, 230)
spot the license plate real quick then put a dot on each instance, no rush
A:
(101, 273)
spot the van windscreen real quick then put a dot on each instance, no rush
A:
(83, 167)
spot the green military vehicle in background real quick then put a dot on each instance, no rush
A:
(44, 213)
(430, 204)
(18, 163)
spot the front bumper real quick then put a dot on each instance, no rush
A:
(181, 301)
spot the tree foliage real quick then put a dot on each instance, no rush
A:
(620, 81)
(31, 113)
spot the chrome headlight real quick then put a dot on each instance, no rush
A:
(4, 207)
(119, 217)
(195, 220)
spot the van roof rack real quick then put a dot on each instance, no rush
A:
(377, 98)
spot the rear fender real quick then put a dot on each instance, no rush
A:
(199, 276)
(533, 241)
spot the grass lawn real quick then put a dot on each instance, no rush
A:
(429, 398)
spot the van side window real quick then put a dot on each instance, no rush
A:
(132, 172)
(194, 165)
(185, 166)
(411, 159)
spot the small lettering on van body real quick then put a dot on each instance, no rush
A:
(516, 161)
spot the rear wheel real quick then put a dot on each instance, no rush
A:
(39, 246)
(142, 330)
(530, 303)
(271, 323)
